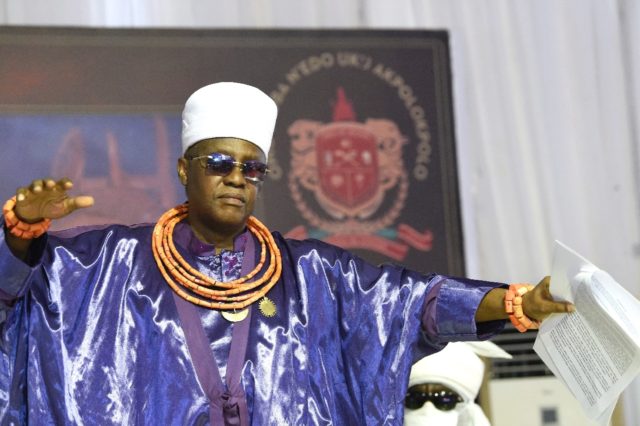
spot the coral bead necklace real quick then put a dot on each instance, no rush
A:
(202, 290)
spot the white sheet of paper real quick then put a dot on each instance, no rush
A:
(567, 264)
(594, 351)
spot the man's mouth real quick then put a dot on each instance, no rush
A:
(233, 199)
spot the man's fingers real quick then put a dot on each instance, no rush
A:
(21, 194)
(36, 185)
(65, 184)
(48, 198)
(83, 201)
(544, 284)
(78, 202)
(539, 304)
(557, 308)
(39, 185)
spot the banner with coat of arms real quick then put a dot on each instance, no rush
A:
(363, 154)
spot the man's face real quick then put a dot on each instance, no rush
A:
(219, 205)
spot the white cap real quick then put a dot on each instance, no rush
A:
(229, 110)
(457, 366)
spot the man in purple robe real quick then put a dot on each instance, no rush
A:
(92, 332)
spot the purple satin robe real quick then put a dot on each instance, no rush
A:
(90, 334)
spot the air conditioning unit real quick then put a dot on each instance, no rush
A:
(523, 391)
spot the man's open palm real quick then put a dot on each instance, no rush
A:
(48, 199)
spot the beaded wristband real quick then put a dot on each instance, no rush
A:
(513, 306)
(20, 229)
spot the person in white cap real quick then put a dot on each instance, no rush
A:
(443, 387)
(206, 317)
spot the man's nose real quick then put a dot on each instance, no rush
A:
(236, 177)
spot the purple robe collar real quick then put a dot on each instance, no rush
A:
(183, 235)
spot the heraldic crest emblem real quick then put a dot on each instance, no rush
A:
(348, 180)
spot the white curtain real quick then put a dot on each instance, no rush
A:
(547, 110)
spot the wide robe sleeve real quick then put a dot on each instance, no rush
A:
(15, 273)
(376, 313)
(14, 282)
(83, 330)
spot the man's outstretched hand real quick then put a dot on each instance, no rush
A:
(43, 199)
(48, 199)
(538, 303)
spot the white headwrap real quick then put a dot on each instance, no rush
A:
(458, 367)
(229, 110)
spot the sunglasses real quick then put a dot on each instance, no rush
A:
(218, 164)
(443, 400)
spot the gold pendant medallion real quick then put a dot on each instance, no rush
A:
(235, 316)
(267, 307)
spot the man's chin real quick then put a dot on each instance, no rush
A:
(232, 220)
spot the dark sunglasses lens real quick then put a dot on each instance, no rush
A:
(255, 170)
(443, 401)
(414, 400)
(219, 164)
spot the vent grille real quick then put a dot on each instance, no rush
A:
(525, 362)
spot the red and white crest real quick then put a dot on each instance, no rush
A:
(348, 167)
(347, 159)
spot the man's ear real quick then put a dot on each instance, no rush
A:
(182, 170)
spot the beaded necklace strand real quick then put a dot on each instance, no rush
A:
(202, 290)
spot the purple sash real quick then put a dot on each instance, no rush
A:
(226, 406)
